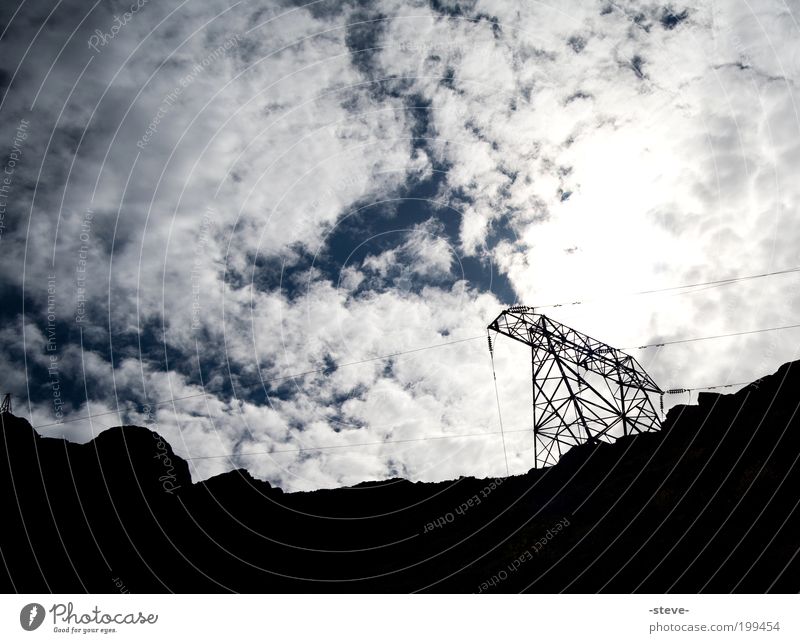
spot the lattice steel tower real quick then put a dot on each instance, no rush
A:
(583, 390)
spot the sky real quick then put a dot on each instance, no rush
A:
(208, 205)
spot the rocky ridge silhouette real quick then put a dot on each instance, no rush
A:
(708, 504)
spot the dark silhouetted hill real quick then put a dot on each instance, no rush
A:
(709, 504)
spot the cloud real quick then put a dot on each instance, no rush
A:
(247, 193)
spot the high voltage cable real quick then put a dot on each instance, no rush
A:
(417, 350)
(497, 397)
(501, 433)
(327, 369)
(699, 339)
(717, 282)
(422, 439)
(97, 415)
(359, 444)
(675, 391)
(468, 339)
(336, 367)
(729, 280)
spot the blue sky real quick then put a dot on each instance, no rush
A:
(250, 190)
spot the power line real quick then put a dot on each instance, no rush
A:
(502, 432)
(699, 339)
(120, 411)
(717, 282)
(468, 339)
(358, 444)
(675, 391)
(414, 350)
(336, 367)
(497, 397)
(328, 369)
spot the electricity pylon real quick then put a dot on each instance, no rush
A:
(583, 390)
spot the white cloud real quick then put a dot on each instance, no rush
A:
(588, 154)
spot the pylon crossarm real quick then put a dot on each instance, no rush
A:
(526, 326)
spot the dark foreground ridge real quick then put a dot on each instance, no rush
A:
(709, 504)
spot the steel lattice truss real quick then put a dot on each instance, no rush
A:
(583, 390)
